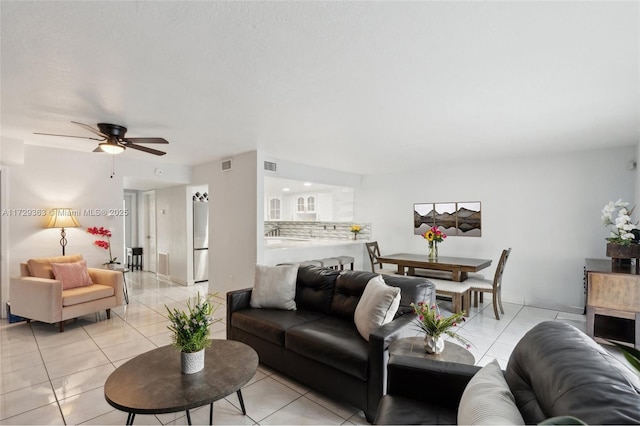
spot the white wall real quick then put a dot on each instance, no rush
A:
(235, 204)
(546, 208)
(59, 178)
(174, 233)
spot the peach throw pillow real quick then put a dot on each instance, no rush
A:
(72, 275)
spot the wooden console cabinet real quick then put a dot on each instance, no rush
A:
(613, 306)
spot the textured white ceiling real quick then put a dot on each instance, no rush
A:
(357, 86)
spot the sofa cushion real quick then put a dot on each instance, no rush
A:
(274, 287)
(349, 288)
(314, 288)
(331, 341)
(377, 306)
(271, 324)
(74, 274)
(412, 289)
(41, 267)
(487, 400)
(75, 296)
(580, 378)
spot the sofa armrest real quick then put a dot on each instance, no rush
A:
(410, 377)
(237, 300)
(36, 298)
(379, 341)
(111, 278)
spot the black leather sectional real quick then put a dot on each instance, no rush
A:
(318, 344)
(554, 371)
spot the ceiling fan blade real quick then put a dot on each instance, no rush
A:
(146, 140)
(91, 129)
(69, 136)
(144, 148)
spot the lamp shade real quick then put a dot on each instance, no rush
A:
(62, 218)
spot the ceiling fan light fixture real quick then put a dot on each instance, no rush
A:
(111, 148)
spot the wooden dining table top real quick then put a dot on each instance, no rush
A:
(459, 266)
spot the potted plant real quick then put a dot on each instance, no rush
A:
(621, 240)
(104, 232)
(356, 229)
(191, 332)
(435, 325)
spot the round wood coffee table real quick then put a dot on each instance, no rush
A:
(414, 346)
(152, 383)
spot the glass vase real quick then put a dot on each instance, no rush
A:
(433, 250)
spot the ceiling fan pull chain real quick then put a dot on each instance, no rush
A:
(113, 166)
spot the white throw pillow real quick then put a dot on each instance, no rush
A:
(377, 306)
(487, 399)
(275, 287)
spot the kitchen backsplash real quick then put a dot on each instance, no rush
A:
(324, 230)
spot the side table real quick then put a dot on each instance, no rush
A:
(124, 288)
(414, 346)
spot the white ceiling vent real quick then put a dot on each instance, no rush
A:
(226, 165)
(270, 166)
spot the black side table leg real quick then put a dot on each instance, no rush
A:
(188, 417)
(211, 413)
(244, 411)
(130, 418)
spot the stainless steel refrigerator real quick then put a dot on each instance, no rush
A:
(200, 238)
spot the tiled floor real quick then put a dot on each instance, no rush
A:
(47, 377)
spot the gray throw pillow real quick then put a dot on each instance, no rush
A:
(275, 287)
(487, 399)
(377, 306)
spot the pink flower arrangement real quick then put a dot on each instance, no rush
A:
(434, 324)
(103, 232)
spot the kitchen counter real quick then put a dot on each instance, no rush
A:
(288, 249)
(271, 243)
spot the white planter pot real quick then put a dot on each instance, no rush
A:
(192, 362)
(433, 345)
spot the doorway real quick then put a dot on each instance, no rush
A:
(149, 230)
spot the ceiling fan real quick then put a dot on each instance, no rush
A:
(112, 139)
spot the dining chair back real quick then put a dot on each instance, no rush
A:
(480, 285)
(374, 253)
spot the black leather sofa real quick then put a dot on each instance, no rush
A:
(318, 344)
(554, 371)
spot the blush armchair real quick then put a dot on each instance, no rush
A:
(36, 295)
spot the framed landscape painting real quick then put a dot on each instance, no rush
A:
(460, 219)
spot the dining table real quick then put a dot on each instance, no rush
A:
(453, 268)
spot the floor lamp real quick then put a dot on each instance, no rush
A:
(62, 218)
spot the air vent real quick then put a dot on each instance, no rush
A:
(270, 166)
(226, 165)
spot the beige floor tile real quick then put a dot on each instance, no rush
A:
(83, 381)
(22, 378)
(46, 415)
(264, 398)
(85, 406)
(25, 399)
(303, 411)
(75, 364)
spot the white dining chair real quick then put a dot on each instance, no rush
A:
(483, 285)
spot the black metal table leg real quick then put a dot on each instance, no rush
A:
(188, 417)
(241, 402)
(130, 417)
(125, 290)
(211, 413)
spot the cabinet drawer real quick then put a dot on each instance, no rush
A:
(614, 291)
